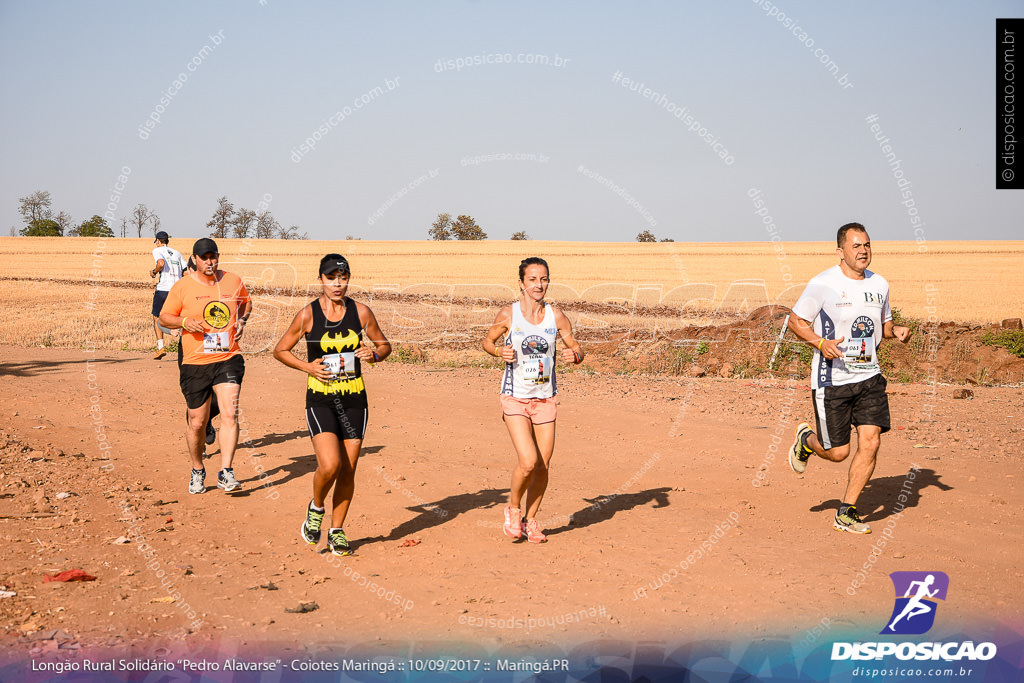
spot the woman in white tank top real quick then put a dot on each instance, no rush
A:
(531, 328)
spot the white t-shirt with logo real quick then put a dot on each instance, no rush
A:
(174, 266)
(841, 306)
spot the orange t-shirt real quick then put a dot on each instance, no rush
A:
(216, 307)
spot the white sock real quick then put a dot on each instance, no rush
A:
(159, 343)
(314, 508)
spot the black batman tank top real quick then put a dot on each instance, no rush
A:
(336, 343)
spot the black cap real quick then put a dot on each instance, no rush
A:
(203, 246)
(333, 262)
(162, 237)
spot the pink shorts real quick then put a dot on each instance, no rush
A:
(538, 410)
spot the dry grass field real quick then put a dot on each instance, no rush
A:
(83, 288)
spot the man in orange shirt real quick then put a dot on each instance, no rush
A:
(211, 307)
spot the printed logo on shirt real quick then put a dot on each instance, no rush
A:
(862, 327)
(339, 342)
(535, 345)
(873, 298)
(217, 314)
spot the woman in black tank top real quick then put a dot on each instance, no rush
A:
(336, 407)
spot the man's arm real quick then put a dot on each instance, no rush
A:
(804, 331)
(892, 331)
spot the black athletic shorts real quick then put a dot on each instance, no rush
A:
(345, 423)
(159, 297)
(197, 381)
(860, 403)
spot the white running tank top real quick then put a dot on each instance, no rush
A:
(533, 373)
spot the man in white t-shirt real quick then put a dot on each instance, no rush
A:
(170, 265)
(844, 314)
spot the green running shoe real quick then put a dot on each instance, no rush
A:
(850, 521)
(337, 542)
(310, 531)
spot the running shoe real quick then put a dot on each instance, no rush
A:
(337, 542)
(160, 353)
(513, 526)
(799, 453)
(533, 532)
(211, 433)
(197, 483)
(311, 526)
(226, 480)
(850, 521)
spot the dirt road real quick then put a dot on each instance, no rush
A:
(668, 514)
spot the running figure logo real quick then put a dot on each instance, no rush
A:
(916, 594)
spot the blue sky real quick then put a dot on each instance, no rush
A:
(80, 79)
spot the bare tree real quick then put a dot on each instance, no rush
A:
(124, 226)
(156, 224)
(292, 233)
(64, 220)
(521, 235)
(14, 231)
(36, 206)
(222, 218)
(242, 223)
(465, 228)
(441, 228)
(141, 216)
(266, 226)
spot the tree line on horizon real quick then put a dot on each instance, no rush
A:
(243, 223)
(36, 210)
(465, 227)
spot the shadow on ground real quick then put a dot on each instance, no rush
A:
(602, 508)
(881, 496)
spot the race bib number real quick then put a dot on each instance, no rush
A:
(537, 369)
(216, 342)
(341, 365)
(859, 355)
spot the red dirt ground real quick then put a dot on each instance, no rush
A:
(682, 454)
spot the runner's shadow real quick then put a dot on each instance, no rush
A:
(301, 465)
(603, 508)
(881, 496)
(36, 367)
(273, 439)
(441, 512)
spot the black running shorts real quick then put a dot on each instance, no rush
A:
(344, 423)
(159, 297)
(860, 403)
(197, 381)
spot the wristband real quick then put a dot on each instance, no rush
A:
(579, 359)
(820, 341)
(183, 319)
(376, 358)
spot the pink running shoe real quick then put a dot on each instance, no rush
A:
(533, 533)
(513, 525)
